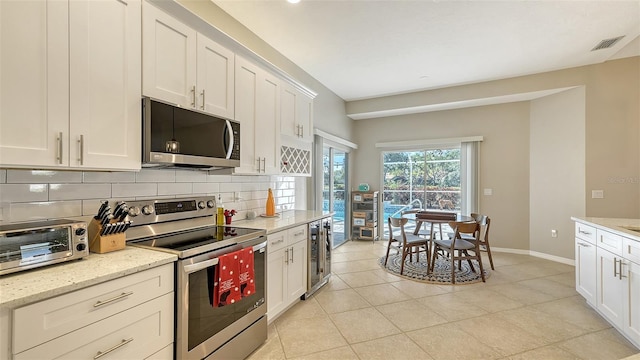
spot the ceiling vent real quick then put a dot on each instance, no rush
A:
(607, 43)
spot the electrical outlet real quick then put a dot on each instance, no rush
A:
(554, 233)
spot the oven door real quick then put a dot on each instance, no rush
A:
(201, 327)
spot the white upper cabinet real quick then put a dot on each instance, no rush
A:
(70, 84)
(105, 84)
(215, 81)
(183, 67)
(257, 103)
(169, 58)
(34, 83)
(296, 114)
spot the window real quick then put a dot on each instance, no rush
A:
(424, 179)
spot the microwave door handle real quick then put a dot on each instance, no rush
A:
(230, 133)
(188, 269)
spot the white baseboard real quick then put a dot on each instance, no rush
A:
(536, 254)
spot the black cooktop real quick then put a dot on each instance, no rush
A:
(203, 238)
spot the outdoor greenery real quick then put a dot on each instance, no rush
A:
(432, 176)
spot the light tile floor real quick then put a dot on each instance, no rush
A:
(527, 309)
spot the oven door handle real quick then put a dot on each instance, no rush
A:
(188, 269)
(260, 246)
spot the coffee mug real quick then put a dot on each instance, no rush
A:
(251, 215)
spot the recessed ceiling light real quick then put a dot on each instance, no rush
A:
(293, 1)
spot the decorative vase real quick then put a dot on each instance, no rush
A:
(271, 204)
(228, 219)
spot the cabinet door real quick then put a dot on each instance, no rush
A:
(631, 296)
(288, 112)
(105, 84)
(276, 282)
(304, 111)
(297, 271)
(268, 122)
(34, 83)
(246, 91)
(609, 287)
(215, 72)
(169, 58)
(586, 270)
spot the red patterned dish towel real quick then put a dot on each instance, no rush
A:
(246, 272)
(226, 290)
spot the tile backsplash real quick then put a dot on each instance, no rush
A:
(49, 194)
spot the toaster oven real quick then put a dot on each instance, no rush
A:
(29, 245)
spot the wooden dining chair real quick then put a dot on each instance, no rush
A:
(421, 228)
(458, 249)
(407, 243)
(485, 222)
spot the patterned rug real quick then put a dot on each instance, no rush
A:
(441, 274)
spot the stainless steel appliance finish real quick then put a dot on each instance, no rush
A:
(29, 245)
(177, 137)
(319, 270)
(185, 227)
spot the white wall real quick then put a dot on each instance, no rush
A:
(557, 171)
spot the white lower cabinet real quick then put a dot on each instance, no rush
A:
(126, 318)
(286, 269)
(609, 287)
(617, 278)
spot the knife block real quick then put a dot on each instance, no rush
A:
(105, 243)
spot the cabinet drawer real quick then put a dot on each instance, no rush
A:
(276, 241)
(631, 250)
(609, 241)
(132, 334)
(297, 233)
(359, 214)
(586, 232)
(48, 319)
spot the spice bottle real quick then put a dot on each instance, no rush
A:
(271, 204)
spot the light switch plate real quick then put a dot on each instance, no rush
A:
(488, 192)
(597, 194)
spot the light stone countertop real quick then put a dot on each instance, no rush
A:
(286, 220)
(30, 286)
(614, 225)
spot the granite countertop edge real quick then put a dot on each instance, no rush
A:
(614, 225)
(34, 285)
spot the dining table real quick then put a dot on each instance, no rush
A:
(436, 217)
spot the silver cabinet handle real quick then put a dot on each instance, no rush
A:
(584, 232)
(292, 254)
(193, 96)
(59, 152)
(277, 242)
(264, 164)
(258, 164)
(121, 344)
(81, 142)
(115, 298)
(584, 245)
(301, 130)
(615, 264)
(620, 276)
(202, 106)
(286, 256)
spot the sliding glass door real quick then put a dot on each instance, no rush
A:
(334, 190)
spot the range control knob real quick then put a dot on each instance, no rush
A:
(81, 247)
(211, 204)
(134, 211)
(201, 205)
(81, 231)
(147, 210)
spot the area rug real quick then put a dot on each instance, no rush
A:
(441, 274)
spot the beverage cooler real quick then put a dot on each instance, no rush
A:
(319, 267)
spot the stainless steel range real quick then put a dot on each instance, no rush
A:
(205, 327)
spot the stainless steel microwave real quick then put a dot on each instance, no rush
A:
(182, 138)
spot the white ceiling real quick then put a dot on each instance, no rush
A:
(365, 48)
